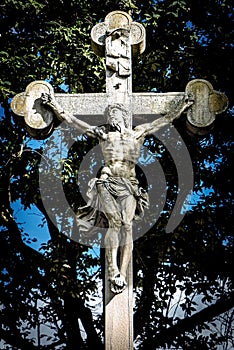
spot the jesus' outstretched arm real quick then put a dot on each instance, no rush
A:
(174, 113)
(62, 115)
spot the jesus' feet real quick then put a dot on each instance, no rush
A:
(117, 283)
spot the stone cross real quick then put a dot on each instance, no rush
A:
(117, 38)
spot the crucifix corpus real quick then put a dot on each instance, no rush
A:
(117, 188)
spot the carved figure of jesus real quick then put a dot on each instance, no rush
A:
(117, 187)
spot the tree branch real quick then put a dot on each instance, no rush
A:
(166, 336)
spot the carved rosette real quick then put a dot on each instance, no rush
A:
(38, 118)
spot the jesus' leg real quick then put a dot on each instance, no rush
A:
(128, 206)
(111, 242)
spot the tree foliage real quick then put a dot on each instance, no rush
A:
(183, 279)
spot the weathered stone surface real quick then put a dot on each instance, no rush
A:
(119, 315)
(82, 105)
(208, 103)
(140, 103)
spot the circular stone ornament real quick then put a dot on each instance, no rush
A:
(38, 118)
(207, 103)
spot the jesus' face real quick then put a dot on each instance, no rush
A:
(116, 117)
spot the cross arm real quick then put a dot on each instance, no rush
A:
(84, 110)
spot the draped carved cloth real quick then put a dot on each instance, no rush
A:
(92, 216)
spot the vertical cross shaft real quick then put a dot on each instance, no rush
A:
(117, 38)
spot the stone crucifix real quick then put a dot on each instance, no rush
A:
(117, 188)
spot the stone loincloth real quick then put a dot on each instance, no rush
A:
(91, 216)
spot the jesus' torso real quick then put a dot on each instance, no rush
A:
(121, 151)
